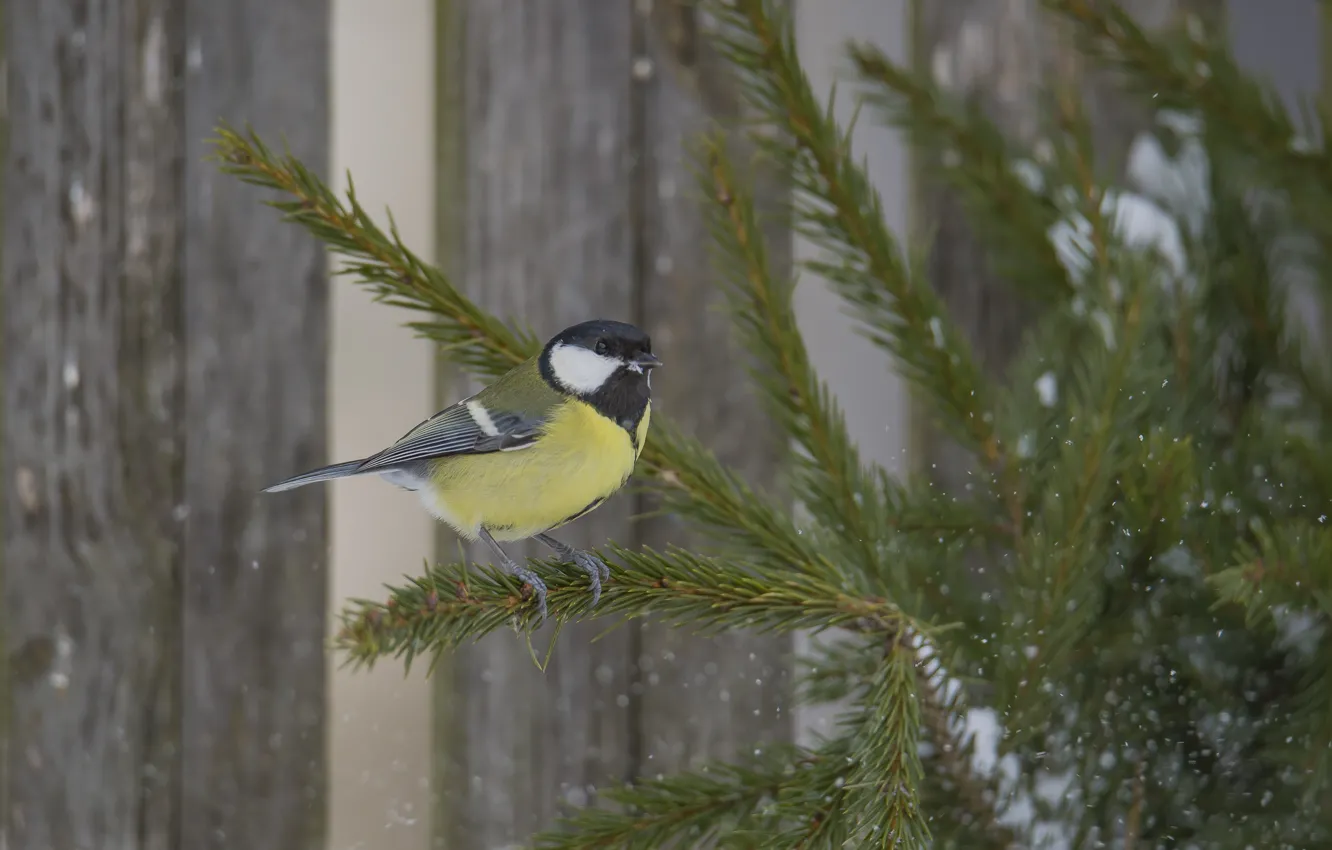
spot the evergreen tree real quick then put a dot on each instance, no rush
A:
(1148, 664)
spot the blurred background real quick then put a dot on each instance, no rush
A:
(170, 348)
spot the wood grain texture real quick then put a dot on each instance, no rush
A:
(163, 356)
(92, 429)
(1003, 56)
(547, 238)
(256, 321)
(702, 698)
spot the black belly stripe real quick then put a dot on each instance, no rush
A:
(588, 509)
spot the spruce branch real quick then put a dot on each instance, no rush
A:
(695, 484)
(1055, 575)
(452, 604)
(1284, 581)
(1286, 568)
(1201, 74)
(837, 669)
(942, 704)
(962, 803)
(883, 803)
(816, 807)
(1075, 156)
(841, 211)
(833, 482)
(1113, 493)
(964, 149)
(687, 810)
(787, 797)
(480, 342)
(1250, 254)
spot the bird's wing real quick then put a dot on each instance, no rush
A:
(468, 427)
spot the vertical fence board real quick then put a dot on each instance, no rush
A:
(4, 651)
(92, 434)
(579, 201)
(545, 103)
(256, 312)
(702, 698)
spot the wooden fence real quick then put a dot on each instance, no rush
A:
(165, 347)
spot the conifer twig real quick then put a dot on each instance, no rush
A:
(973, 792)
(849, 216)
(787, 796)
(883, 802)
(833, 482)
(452, 605)
(695, 484)
(840, 209)
(1288, 565)
(691, 807)
(1067, 534)
(835, 487)
(480, 342)
(1201, 74)
(1288, 569)
(978, 164)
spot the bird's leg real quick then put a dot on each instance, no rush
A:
(595, 568)
(513, 569)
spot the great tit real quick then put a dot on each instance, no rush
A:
(546, 443)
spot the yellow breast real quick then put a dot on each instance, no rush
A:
(640, 436)
(582, 459)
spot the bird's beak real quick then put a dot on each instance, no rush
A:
(646, 362)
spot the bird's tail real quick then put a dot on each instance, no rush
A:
(325, 473)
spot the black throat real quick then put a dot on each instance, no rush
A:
(623, 397)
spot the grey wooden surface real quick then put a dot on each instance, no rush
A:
(163, 358)
(701, 698)
(578, 203)
(256, 323)
(545, 112)
(860, 376)
(91, 429)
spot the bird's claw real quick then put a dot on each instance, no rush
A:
(596, 570)
(534, 581)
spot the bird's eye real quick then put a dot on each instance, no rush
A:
(601, 346)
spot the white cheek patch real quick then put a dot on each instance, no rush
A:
(581, 370)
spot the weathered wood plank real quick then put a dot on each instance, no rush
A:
(4, 649)
(547, 236)
(253, 567)
(92, 431)
(701, 698)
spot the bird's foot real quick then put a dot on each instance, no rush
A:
(538, 586)
(596, 570)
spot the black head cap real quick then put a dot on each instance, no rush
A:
(605, 337)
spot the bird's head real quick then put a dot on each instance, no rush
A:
(593, 356)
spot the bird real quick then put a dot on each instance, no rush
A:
(544, 444)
